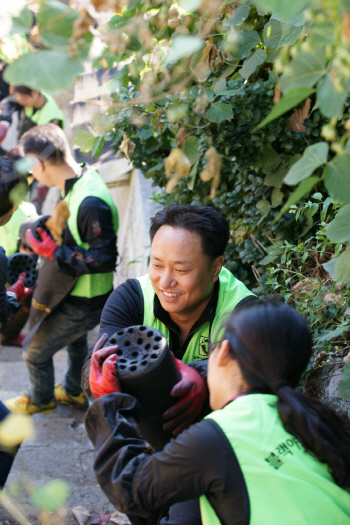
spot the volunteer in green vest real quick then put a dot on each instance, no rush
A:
(75, 277)
(185, 295)
(268, 454)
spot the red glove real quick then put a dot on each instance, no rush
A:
(192, 392)
(103, 376)
(46, 247)
(19, 289)
(4, 126)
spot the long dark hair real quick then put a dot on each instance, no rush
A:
(272, 344)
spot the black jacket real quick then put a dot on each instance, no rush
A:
(137, 482)
(8, 304)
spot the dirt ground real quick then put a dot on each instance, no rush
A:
(60, 449)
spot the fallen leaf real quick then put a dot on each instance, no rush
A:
(127, 146)
(276, 95)
(102, 519)
(296, 120)
(81, 514)
(176, 167)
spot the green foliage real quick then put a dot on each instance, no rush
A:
(50, 496)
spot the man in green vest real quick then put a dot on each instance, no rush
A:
(75, 277)
(186, 295)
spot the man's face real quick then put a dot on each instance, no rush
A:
(182, 275)
(39, 171)
(27, 101)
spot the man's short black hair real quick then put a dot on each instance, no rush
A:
(24, 90)
(9, 178)
(47, 142)
(207, 221)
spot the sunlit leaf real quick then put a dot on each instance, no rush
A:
(272, 33)
(304, 71)
(240, 14)
(339, 229)
(55, 20)
(248, 39)
(191, 149)
(50, 496)
(290, 35)
(284, 9)
(183, 46)
(313, 157)
(14, 429)
(337, 178)
(289, 101)
(23, 22)
(84, 140)
(329, 99)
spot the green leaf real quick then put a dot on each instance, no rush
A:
(248, 39)
(276, 197)
(97, 146)
(191, 149)
(50, 496)
(303, 188)
(23, 22)
(275, 178)
(264, 206)
(325, 207)
(251, 63)
(289, 101)
(84, 140)
(192, 176)
(41, 70)
(269, 160)
(273, 252)
(218, 112)
(342, 267)
(183, 46)
(337, 178)
(339, 229)
(220, 86)
(240, 14)
(55, 21)
(117, 21)
(329, 99)
(344, 383)
(272, 33)
(190, 6)
(284, 8)
(290, 34)
(304, 71)
(329, 266)
(313, 157)
(296, 19)
(328, 336)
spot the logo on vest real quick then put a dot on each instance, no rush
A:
(203, 347)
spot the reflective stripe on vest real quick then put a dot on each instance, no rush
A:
(46, 114)
(90, 184)
(285, 484)
(231, 292)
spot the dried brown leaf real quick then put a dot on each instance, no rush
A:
(127, 146)
(276, 95)
(82, 24)
(81, 514)
(177, 166)
(296, 120)
(109, 5)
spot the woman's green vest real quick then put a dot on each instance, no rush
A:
(46, 114)
(9, 232)
(231, 292)
(286, 485)
(90, 184)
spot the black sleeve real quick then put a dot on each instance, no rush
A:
(8, 304)
(123, 308)
(96, 229)
(199, 461)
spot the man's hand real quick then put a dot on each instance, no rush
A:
(18, 289)
(46, 247)
(192, 392)
(103, 376)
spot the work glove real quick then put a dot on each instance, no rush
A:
(46, 247)
(192, 392)
(4, 126)
(19, 290)
(103, 375)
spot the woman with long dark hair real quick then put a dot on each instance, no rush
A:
(267, 454)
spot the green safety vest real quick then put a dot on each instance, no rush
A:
(9, 233)
(46, 114)
(231, 292)
(90, 184)
(285, 484)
